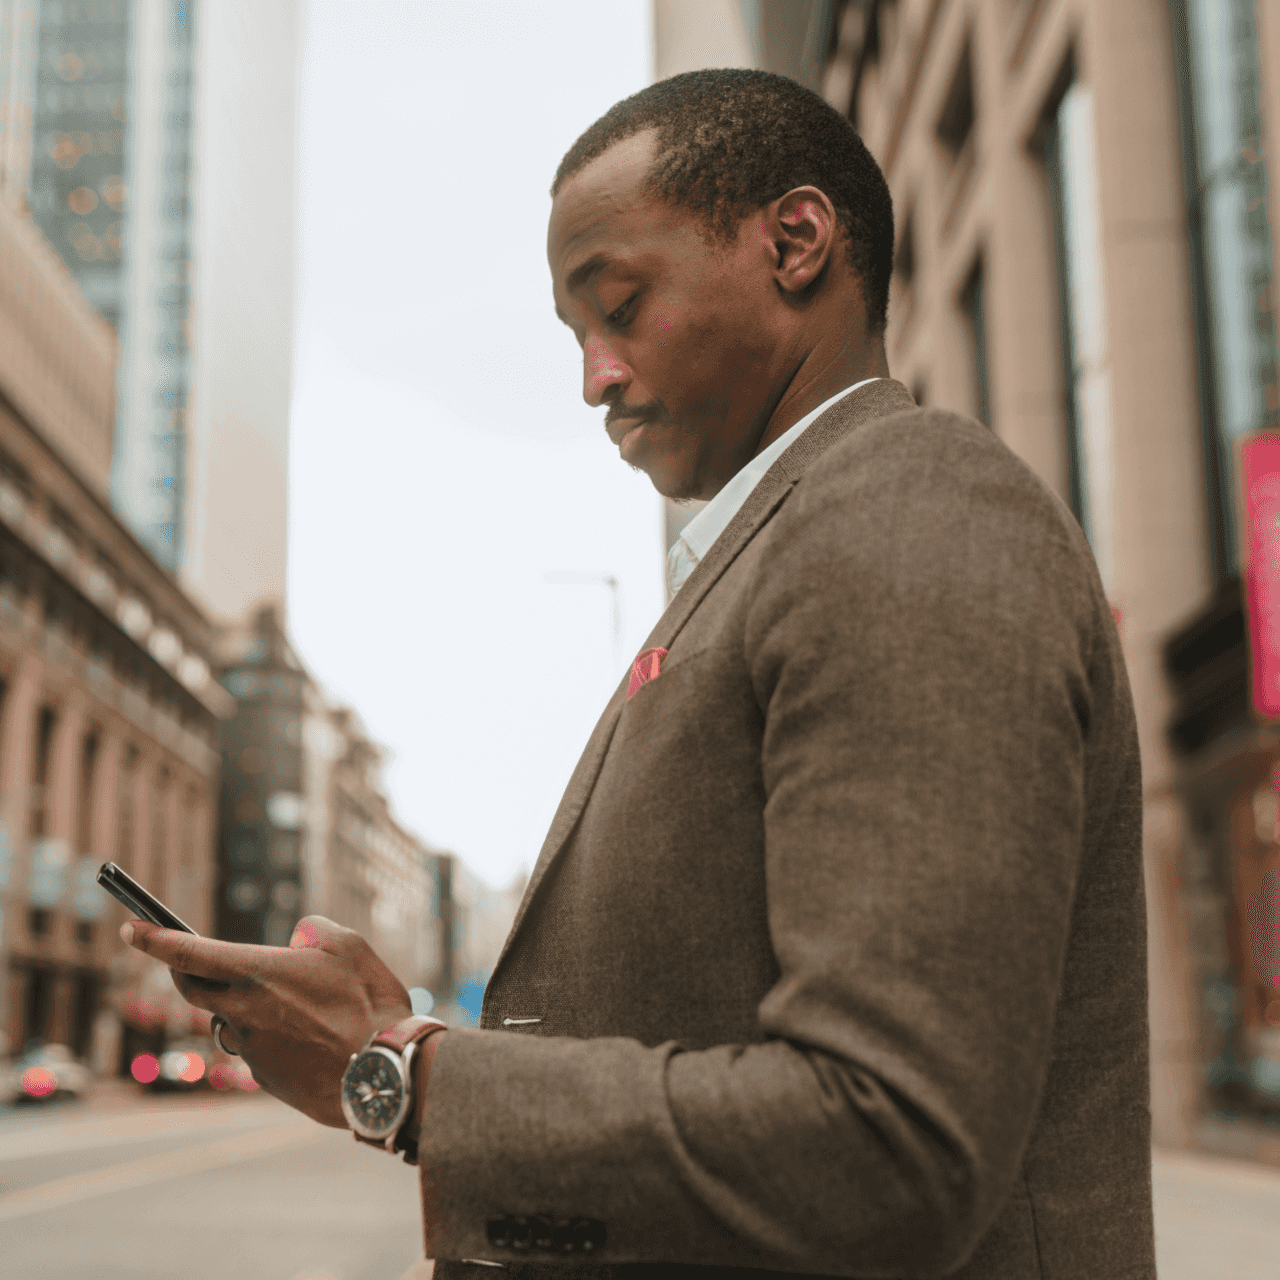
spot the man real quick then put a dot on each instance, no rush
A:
(833, 961)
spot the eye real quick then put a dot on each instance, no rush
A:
(623, 314)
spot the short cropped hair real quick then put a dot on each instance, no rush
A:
(731, 141)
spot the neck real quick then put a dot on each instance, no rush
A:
(819, 376)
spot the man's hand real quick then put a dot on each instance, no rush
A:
(295, 1014)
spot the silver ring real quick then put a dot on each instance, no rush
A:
(215, 1029)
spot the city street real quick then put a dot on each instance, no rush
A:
(1216, 1219)
(129, 1187)
(140, 1187)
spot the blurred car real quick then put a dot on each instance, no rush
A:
(43, 1073)
(183, 1066)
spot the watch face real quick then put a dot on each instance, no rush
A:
(374, 1098)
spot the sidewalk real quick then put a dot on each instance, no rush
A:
(1216, 1219)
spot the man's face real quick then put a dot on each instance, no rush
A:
(675, 330)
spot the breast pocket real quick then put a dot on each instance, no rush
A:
(672, 695)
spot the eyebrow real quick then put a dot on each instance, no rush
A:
(581, 274)
(584, 271)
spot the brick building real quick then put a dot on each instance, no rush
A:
(108, 711)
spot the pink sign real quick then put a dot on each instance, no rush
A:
(1260, 475)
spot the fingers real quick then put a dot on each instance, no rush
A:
(228, 962)
(203, 993)
(229, 1039)
(240, 1008)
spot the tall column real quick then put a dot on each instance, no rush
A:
(62, 780)
(204, 854)
(1162, 550)
(104, 821)
(62, 787)
(17, 731)
(1024, 329)
(16, 747)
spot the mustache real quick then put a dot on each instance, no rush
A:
(632, 413)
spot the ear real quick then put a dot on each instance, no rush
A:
(804, 230)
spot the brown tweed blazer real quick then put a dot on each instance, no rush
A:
(834, 959)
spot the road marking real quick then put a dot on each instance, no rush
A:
(149, 1169)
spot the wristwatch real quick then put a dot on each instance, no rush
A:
(377, 1086)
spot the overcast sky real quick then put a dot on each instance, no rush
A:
(443, 461)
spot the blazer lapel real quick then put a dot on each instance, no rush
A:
(876, 400)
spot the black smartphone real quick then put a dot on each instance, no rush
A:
(124, 887)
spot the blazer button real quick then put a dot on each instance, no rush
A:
(498, 1232)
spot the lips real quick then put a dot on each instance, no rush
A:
(620, 427)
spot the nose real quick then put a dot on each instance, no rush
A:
(604, 375)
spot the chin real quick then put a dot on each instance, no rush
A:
(674, 485)
(669, 457)
(673, 476)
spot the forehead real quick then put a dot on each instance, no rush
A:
(604, 208)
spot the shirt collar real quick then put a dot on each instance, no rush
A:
(701, 532)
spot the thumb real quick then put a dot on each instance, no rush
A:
(316, 931)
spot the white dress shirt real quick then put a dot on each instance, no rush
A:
(699, 534)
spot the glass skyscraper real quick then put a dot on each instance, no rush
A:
(110, 188)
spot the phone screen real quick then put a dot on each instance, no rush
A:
(143, 905)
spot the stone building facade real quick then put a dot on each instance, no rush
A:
(1084, 261)
(367, 871)
(108, 711)
(306, 827)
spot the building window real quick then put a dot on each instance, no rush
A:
(902, 296)
(88, 997)
(1071, 167)
(955, 120)
(246, 848)
(55, 609)
(38, 1004)
(1229, 243)
(286, 848)
(159, 867)
(956, 138)
(973, 304)
(904, 261)
(84, 803)
(46, 721)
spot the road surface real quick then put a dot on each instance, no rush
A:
(206, 1187)
(200, 1187)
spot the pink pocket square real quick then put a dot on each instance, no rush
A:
(646, 668)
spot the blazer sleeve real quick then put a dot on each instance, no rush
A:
(923, 639)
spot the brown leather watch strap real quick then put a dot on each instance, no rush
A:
(407, 1031)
